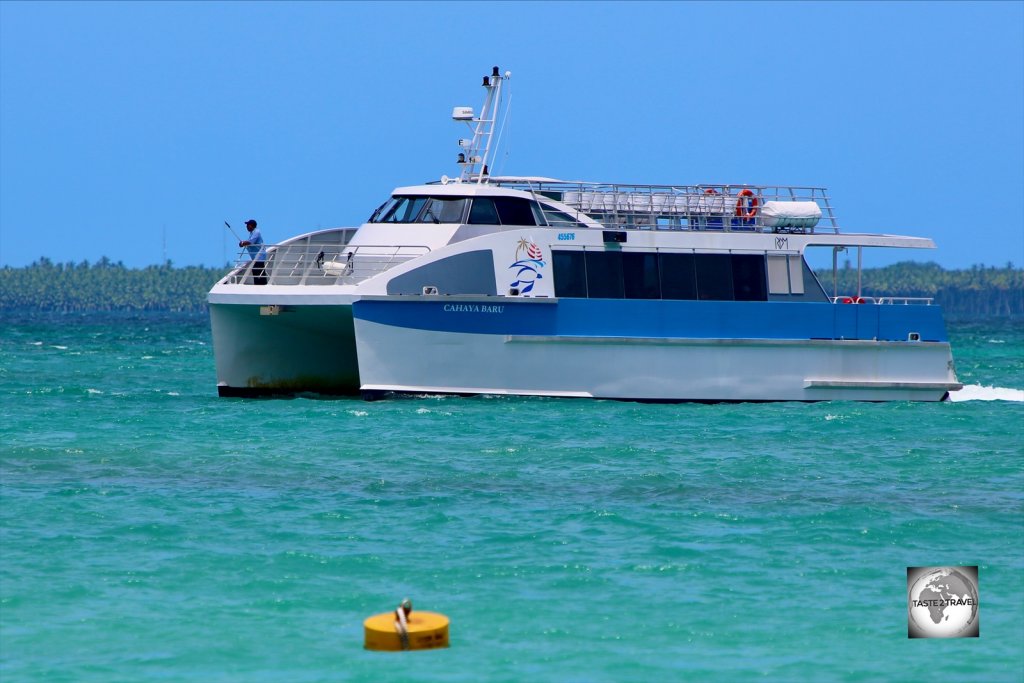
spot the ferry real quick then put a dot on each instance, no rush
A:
(529, 285)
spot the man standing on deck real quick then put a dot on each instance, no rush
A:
(256, 252)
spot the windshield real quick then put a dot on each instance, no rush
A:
(382, 210)
(421, 210)
(404, 210)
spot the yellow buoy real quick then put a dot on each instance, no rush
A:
(404, 629)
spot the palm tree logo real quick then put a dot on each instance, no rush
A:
(527, 269)
(524, 245)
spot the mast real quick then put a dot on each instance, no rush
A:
(476, 151)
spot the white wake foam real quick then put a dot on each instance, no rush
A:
(976, 392)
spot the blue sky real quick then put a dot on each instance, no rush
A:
(133, 130)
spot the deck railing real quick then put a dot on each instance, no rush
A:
(905, 300)
(883, 300)
(680, 207)
(320, 264)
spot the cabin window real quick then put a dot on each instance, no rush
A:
(640, 275)
(678, 276)
(812, 288)
(570, 274)
(614, 274)
(444, 210)
(514, 211)
(714, 277)
(483, 212)
(558, 218)
(604, 274)
(748, 277)
(538, 215)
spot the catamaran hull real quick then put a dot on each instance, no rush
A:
(273, 350)
(398, 352)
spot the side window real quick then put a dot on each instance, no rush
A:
(538, 215)
(514, 211)
(678, 276)
(556, 218)
(442, 210)
(748, 277)
(483, 212)
(604, 274)
(714, 277)
(452, 210)
(814, 290)
(570, 274)
(640, 275)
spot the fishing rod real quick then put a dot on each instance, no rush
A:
(228, 226)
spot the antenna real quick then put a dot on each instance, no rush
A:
(475, 154)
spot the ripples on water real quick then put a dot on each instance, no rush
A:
(153, 531)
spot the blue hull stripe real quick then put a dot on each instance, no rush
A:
(659, 319)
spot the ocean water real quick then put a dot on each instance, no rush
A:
(150, 531)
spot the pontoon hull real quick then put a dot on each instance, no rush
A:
(284, 350)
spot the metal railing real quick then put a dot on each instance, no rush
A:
(905, 300)
(320, 259)
(883, 300)
(680, 207)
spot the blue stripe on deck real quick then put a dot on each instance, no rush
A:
(659, 319)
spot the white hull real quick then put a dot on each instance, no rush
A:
(265, 350)
(402, 359)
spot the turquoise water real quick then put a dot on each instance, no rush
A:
(153, 532)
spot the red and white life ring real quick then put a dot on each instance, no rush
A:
(746, 204)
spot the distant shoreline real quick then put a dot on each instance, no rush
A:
(973, 293)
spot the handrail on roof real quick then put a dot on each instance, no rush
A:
(708, 206)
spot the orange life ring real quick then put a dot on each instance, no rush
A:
(860, 300)
(746, 208)
(846, 300)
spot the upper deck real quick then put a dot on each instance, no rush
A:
(576, 204)
(746, 208)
